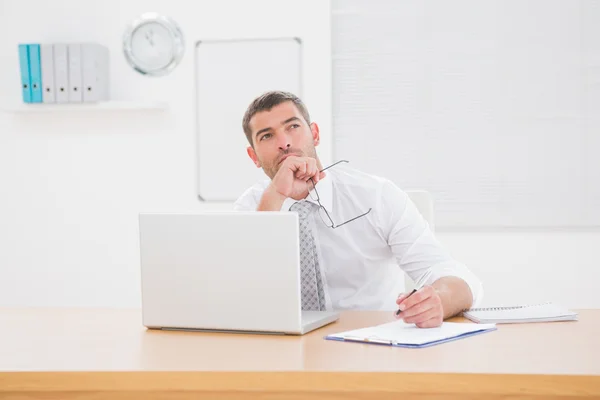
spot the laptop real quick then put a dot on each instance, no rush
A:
(224, 271)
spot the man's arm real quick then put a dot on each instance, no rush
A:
(271, 200)
(430, 306)
(450, 288)
(455, 294)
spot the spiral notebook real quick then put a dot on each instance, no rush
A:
(401, 334)
(545, 312)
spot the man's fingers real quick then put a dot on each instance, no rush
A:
(301, 170)
(317, 175)
(418, 309)
(306, 174)
(401, 297)
(431, 323)
(305, 168)
(421, 317)
(419, 296)
(314, 173)
(310, 168)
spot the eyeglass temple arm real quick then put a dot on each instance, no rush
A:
(350, 220)
(341, 161)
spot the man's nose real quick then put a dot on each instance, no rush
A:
(284, 143)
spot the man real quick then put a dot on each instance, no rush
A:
(356, 228)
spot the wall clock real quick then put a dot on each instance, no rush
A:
(153, 44)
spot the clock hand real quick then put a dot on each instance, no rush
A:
(149, 36)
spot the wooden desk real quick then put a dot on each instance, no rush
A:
(96, 354)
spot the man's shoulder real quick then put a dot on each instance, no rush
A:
(370, 187)
(354, 177)
(250, 198)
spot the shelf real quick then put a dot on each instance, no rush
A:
(101, 106)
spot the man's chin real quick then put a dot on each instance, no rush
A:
(271, 172)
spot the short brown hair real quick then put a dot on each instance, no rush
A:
(266, 102)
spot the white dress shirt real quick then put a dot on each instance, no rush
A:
(359, 261)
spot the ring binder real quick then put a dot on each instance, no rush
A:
(25, 75)
(64, 72)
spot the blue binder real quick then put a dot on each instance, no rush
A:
(25, 78)
(35, 72)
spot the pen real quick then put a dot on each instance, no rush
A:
(418, 286)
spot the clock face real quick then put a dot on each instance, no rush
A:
(153, 45)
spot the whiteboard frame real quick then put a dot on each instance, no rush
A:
(299, 93)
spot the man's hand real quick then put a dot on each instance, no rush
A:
(423, 308)
(293, 175)
(290, 181)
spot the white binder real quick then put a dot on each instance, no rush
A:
(61, 72)
(75, 79)
(47, 66)
(95, 72)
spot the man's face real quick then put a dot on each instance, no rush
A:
(280, 132)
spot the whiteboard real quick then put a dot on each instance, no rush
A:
(489, 105)
(229, 75)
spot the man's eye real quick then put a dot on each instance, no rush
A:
(266, 135)
(295, 126)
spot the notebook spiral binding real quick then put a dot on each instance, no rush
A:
(506, 308)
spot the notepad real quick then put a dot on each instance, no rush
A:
(401, 334)
(546, 312)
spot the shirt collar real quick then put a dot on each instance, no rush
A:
(325, 189)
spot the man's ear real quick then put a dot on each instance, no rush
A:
(314, 128)
(252, 155)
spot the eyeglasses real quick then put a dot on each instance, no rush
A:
(325, 217)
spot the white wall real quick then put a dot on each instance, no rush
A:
(493, 106)
(72, 184)
(532, 266)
